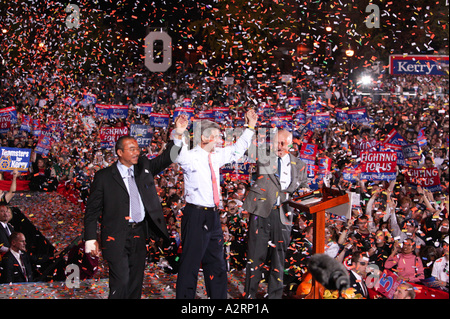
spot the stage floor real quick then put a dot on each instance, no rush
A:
(157, 285)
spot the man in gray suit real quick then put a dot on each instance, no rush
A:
(278, 177)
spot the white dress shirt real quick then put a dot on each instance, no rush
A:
(197, 174)
(285, 174)
(123, 170)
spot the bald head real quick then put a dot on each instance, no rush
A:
(283, 142)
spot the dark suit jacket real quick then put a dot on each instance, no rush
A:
(11, 270)
(4, 238)
(357, 285)
(110, 202)
(263, 194)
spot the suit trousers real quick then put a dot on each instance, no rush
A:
(267, 244)
(202, 246)
(126, 272)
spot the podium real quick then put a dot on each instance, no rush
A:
(316, 203)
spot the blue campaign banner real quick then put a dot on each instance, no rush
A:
(418, 64)
(142, 133)
(12, 158)
(319, 120)
(221, 113)
(159, 120)
(189, 111)
(300, 116)
(295, 102)
(341, 115)
(108, 111)
(358, 116)
(205, 115)
(26, 123)
(144, 108)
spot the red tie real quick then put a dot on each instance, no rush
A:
(214, 182)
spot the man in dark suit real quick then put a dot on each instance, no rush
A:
(6, 229)
(16, 264)
(357, 273)
(278, 177)
(124, 196)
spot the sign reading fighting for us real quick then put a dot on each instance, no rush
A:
(14, 158)
(418, 64)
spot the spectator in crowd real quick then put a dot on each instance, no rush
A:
(405, 291)
(440, 268)
(409, 267)
(16, 263)
(6, 229)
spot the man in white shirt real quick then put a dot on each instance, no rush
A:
(201, 232)
(440, 267)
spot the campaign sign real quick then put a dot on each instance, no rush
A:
(319, 120)
(142, 133)
(282, 122)
(205, 115)
(235, 171)
(26, 123)
(425, 177)
(308, 152)
(188, 111)
(144, 108)
(358, 116)
(295, 102)
(379, 166)
(110, 135)
(159, 120)
(44, 143)
(387, 284)
(14, 158)
(341, 115)
(221, 113)
(411, 152)
(111, 111)
(300, 116)
(418, 64)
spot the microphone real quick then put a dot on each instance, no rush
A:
(328, 272)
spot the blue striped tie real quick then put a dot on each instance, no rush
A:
(135, 205)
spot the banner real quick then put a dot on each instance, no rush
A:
(319, 120)
(341, 115)
(359, 147)
(110, 135)
(282, 122)
(14, 158)
(421, 138)
(411, 152)
(159, 120)
(418, 64)
(235, 171)
(427, 178)
(183, 110)
(144, 109)
(44, 143)
(308, 153)
(358, 116)
(107, 111)
(26, 123)
(378, 166)
(300, 116)
(206, 115)
(295, 102)
(142, 133)
(221, 113)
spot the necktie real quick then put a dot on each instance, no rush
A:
(134, 198)
(279, 167)
(214, 182)
(24, 271)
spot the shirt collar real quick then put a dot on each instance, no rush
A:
(123, 169)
